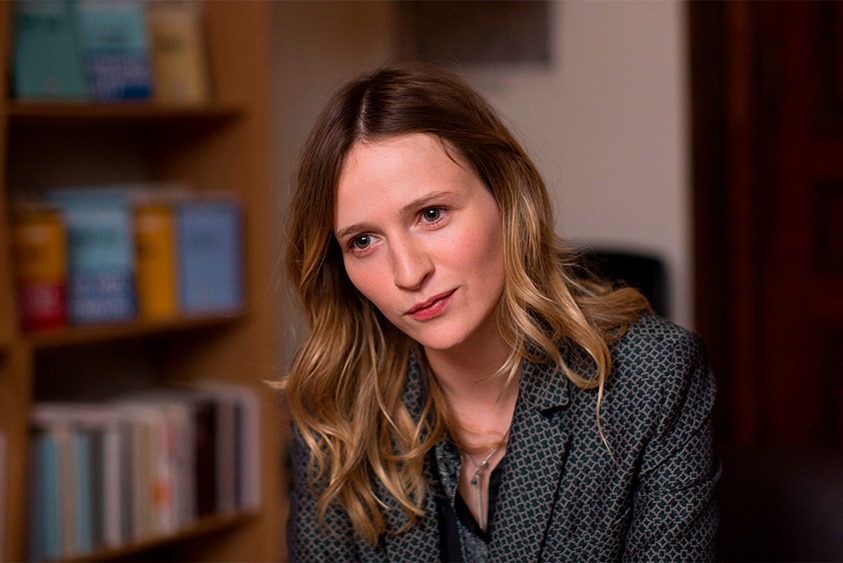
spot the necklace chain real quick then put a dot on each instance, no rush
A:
(476, 480)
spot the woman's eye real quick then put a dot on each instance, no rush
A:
(362, 242)
(431, 215)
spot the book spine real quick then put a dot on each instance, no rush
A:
(113, 478)
(143, 466)
(97, 487)
(47, 59)
(82, 473)
(128, 470)
(39, 250)
(67, 511)
(205, 458)
(178, 53)
(50, 479)
(156, 261)
(115, 49)
(36, 517)
(101, 256)
(210, 256)
(226, 461)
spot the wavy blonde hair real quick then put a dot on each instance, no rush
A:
(344, 389)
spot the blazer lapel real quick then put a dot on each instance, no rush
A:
(417, 543)
(420, 542)
(535, 458)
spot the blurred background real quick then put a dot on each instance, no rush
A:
(705, 135)
(695, 147)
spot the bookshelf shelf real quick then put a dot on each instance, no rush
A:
(142, 114)
(203, 527)
(72, 336)
(222, 146)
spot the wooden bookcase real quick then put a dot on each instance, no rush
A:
(225, 146)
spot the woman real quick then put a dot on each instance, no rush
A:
(465, 393)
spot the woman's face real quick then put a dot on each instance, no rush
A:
(421, 238)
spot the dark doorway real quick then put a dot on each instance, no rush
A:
(767, 99)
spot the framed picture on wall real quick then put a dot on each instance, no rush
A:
(479, 32)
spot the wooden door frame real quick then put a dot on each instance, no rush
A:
(724, 82)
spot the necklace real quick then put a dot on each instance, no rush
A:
(476, 481)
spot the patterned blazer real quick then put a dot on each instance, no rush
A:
(563, 496)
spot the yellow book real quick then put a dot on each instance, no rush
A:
(178, 52)
(156, 282)
(39, 249)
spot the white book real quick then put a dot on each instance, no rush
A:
(142, 422)
(177, 407)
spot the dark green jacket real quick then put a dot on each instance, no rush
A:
(563, 496)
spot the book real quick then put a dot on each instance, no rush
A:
(35, 499)
(97, 478)
(100, 253)
(63, 436)
(47, 61)
(205, 458)
(154, 428)
(115, 49)
(155, 236)
(178, 506)
(179, 52)
(81, 471)
(139, 466)
(209, 249)
(108, 432)
(243, 416)
(39, 251)
(44, 525)
(137, 507)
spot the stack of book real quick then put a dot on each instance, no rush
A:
(116, 254)
(109, 51)
(103, 475)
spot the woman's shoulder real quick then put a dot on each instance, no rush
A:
(652, 337)
(658, 360)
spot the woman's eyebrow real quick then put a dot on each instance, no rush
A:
(422, 201)
(355, 228)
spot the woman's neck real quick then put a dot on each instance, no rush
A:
(480, 407)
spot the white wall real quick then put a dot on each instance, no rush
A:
(607, 126)
(606, 123)
(317, 45)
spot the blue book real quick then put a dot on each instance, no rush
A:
(101, 253)
(115, 49)
(45, 504)
(47, 60)
(209, 250)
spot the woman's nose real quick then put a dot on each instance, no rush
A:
(412, 264)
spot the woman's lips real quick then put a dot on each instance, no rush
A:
(431, 308)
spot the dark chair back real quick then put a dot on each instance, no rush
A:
(644, 272)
